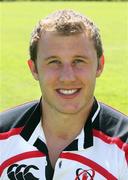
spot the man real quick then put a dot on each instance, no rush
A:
(68, 135)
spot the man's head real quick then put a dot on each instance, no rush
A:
(66, 55)
(65, 22)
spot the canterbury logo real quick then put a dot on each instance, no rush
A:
(21, 172)
(82, 174)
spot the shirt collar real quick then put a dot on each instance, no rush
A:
(33, 132)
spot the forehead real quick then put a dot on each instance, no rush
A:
(53, 42)
(53, 35)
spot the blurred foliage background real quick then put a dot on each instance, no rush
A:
(17, 19)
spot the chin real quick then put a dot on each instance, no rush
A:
(69, 110)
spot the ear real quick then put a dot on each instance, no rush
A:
(33, 69)
(100, 66)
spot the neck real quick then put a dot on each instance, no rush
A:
(64, 126)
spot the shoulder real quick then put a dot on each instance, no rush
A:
(109, 113)
(16, 117)
(112, 123)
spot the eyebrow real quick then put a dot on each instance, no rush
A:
(50, 57)
(85, 57)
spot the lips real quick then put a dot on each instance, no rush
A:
(68, 93)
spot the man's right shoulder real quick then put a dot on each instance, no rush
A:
(16, 117)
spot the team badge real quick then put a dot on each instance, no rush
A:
(82, 174)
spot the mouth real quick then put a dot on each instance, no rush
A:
(68, 93)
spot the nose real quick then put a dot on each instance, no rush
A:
(67, 74)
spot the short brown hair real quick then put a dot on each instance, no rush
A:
(66, 22)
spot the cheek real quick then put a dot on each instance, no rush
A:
(47, 76)
(86, 74)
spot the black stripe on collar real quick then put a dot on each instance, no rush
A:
(88, 135)
(72, 146)
(32, 122)
(41, 146)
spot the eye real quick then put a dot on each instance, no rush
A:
(78, 61)
(54, 61)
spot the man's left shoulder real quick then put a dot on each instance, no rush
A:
(113, 114)
(112, 122)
